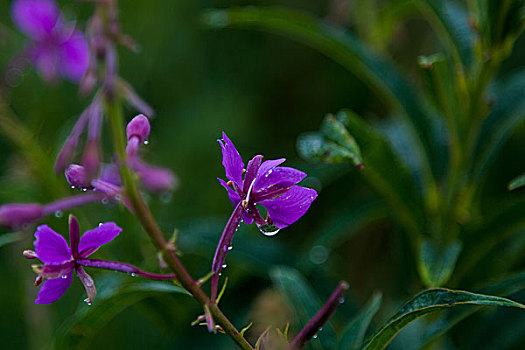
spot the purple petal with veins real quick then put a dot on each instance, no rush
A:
(51, 247)
(53, 289)
(92, 240)
(280, 177)
(231, 160)
(289, 207)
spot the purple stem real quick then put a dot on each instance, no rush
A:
(320, 318)
(70, 202)
(223, 247)
(123, 267)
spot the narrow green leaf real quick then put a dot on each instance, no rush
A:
(8, 238)
(355, 331)
(507, 113)
(380, 73)
(503, 286)
(427, 302)
(378, 161)
(303, 299)
(437, 261)
(517, 182)
(115, 294)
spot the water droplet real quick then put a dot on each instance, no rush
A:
(230, 248)
(315, 336)
(63, 277)
(59, 213)
(268, 229)
(133, 274)
(88, 301)
(73, 187)
(84, 190)
(341, 301)
(224, 266)
(146, 142)
(100, 224)
(166, 197)
(104, 201)
(318, 254)
(118, 197)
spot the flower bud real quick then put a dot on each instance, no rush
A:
(16, 215)
(30, 254)
(76, 176)
(139, 127)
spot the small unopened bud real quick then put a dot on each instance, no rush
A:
(30, 254)
(38, 280)
(138, 127)
(17, 215)
(76, 176)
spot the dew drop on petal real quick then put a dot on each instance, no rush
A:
(268, 229)
(88, 301)
(59, 213)
(224, 266)
(230, 248)
(146, 142)
(341, 301)
(104, 201)
(132, 274)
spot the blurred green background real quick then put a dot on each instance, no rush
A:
(264, 91)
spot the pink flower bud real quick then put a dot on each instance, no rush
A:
(139, 127)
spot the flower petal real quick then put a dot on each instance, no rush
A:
(74, 235)
(281, 177)
(289, 207)
(73, 57)
(45, 62)
(53, 289)
(251, 172)
(36, 18)
(51, 247)
(88, 283)
(234, 197)
(92, 240)
(231, 161)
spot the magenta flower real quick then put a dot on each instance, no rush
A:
(265, 183)
(60, 260)
(56, 48)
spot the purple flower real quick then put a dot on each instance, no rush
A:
(264, 183)
(60, 260)
(154, 179)
(56, 48)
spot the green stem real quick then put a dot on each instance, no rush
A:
(143, 213)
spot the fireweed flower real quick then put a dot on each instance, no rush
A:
(60, 260)
(265, 183)
(56, 48)
(155, 179)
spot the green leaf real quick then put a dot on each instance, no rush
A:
(451, 21)
(355, 331)
(8, 238)
(427, 302)
(302, 298)
(115, 294)
(378, 72)
(332, 145)
(437, 261)
(507, 113)
(503, 286)
(378, 163)
(517, 182)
